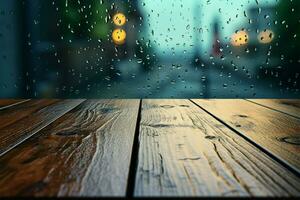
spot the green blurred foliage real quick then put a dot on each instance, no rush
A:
(85, 19)
(288, 30)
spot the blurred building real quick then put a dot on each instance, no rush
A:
(216, 50)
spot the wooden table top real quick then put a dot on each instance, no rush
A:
(138, 148)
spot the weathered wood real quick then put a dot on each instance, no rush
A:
(5, 103)
(288, 106)
(13, 114)
(86, 152)
(186, 152)
(273, 131)
(20, 122)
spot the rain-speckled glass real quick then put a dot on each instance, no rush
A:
(149, 48)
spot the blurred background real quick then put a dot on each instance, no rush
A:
(172, 49)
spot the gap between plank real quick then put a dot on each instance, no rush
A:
(249, 100)
(134, 155)
(277, 159)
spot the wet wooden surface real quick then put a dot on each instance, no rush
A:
(95, 148)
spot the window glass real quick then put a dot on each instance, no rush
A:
(149, 48)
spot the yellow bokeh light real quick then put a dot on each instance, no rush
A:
(119, 19)
(119, 36)
(239, 38)
(265, 36)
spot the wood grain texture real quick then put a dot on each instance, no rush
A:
(20, 122)
(5, 103)
(288, 106)
(273, 131)
(13, 114)
(186, 152)
(86, 152)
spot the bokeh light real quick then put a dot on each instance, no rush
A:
(119, 36)
(239, 38)
(119, 19)
(266, 36)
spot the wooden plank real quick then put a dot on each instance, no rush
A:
(186, 152)
(273, 131)
(86, 152)
(287, 106)
(22, 121)
(5, 103)
(14, 114)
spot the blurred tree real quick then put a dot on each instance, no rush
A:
(288, 28)
(288, 39)
(85, 19)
